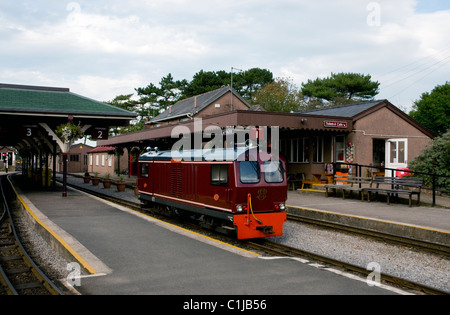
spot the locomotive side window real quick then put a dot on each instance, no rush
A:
(249, 172)
(144, 170)
(273, 172)
(219, 174)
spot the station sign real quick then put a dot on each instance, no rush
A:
(29, 131)
(335, 124)
(100, 133)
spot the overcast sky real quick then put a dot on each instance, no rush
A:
(101, 49)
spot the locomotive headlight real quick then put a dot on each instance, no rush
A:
(239, 208)
(282, 206)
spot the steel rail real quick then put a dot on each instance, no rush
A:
(42, 279)
(9, 288)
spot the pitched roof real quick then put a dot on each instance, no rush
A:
(49, 100)
(102, 149)
(348, 111)
(360, 110)
(195, 104)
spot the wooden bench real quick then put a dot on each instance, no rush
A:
(396, 186)
(295, 179)
(317, 181)
(349, 183)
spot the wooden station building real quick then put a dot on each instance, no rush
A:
(373, 133)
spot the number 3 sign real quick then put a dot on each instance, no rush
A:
(29, 131)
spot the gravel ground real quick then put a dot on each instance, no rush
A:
(411, 264)
(48, 260)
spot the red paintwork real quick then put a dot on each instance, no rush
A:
(189, 183)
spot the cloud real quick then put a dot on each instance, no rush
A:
(106, 47)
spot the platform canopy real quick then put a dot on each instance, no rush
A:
(38, 120)
(30, 115)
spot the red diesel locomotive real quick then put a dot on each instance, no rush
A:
(240, 190)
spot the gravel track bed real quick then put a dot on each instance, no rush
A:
(408, 263)
(48, 260)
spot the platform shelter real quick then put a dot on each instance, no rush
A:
(41, 121)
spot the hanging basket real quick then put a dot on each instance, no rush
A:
(69, 132)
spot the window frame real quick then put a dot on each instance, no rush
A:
(141, 174)
(318, 147)
(280, 169)
(258, 173)
(339, 149)
(221, 181)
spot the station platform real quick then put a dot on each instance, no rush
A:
(126, 252)
(423, 222)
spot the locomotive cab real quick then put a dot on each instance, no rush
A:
(261, 188)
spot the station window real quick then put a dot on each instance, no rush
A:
(144, 170)
(318, 149)
(249, 172)
(340, 149)
(219, 174)
(295, 150)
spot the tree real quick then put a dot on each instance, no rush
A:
(206, 81)
(341, 89)
(432, 110)
(154, 99)
(435, 159)
(279, 96)
(126, 102)
(251, 81)
(246, 83)
(160, 98)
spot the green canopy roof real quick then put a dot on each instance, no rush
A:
(58, 101)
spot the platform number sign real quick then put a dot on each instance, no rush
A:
(100, 133)
(29, 131)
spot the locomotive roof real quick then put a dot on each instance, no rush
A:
(196, 155)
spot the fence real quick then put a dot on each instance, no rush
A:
(356, 170)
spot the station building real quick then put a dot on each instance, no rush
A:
(77, 160)
(105, 160)
(375, 134)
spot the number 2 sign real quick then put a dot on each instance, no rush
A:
(100, 133)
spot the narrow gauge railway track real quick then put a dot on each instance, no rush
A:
(394, 239)
(281, 250)
(19, 274)
(276, 249)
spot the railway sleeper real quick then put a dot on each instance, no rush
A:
(28, 285)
